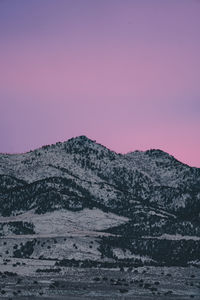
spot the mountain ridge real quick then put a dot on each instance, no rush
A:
(84, 138)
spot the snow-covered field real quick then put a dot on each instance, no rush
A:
(65, 222)
(127, 254)
(61, 234)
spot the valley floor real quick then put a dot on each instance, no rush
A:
(21, 280)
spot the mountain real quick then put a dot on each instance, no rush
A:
(131, 206)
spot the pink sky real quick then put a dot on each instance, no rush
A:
(125, 73)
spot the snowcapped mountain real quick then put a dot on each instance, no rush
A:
(136, 198)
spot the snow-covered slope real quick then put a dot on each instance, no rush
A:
(81, 166)
(80, 185)
(65, 222)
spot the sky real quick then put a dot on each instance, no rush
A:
(125, 73)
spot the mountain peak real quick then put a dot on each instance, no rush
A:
(83, 144)
(81, 139)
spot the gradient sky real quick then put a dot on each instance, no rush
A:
(123, 72)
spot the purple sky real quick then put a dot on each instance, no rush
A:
(123, 72)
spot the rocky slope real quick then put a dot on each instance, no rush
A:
(141, 204)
